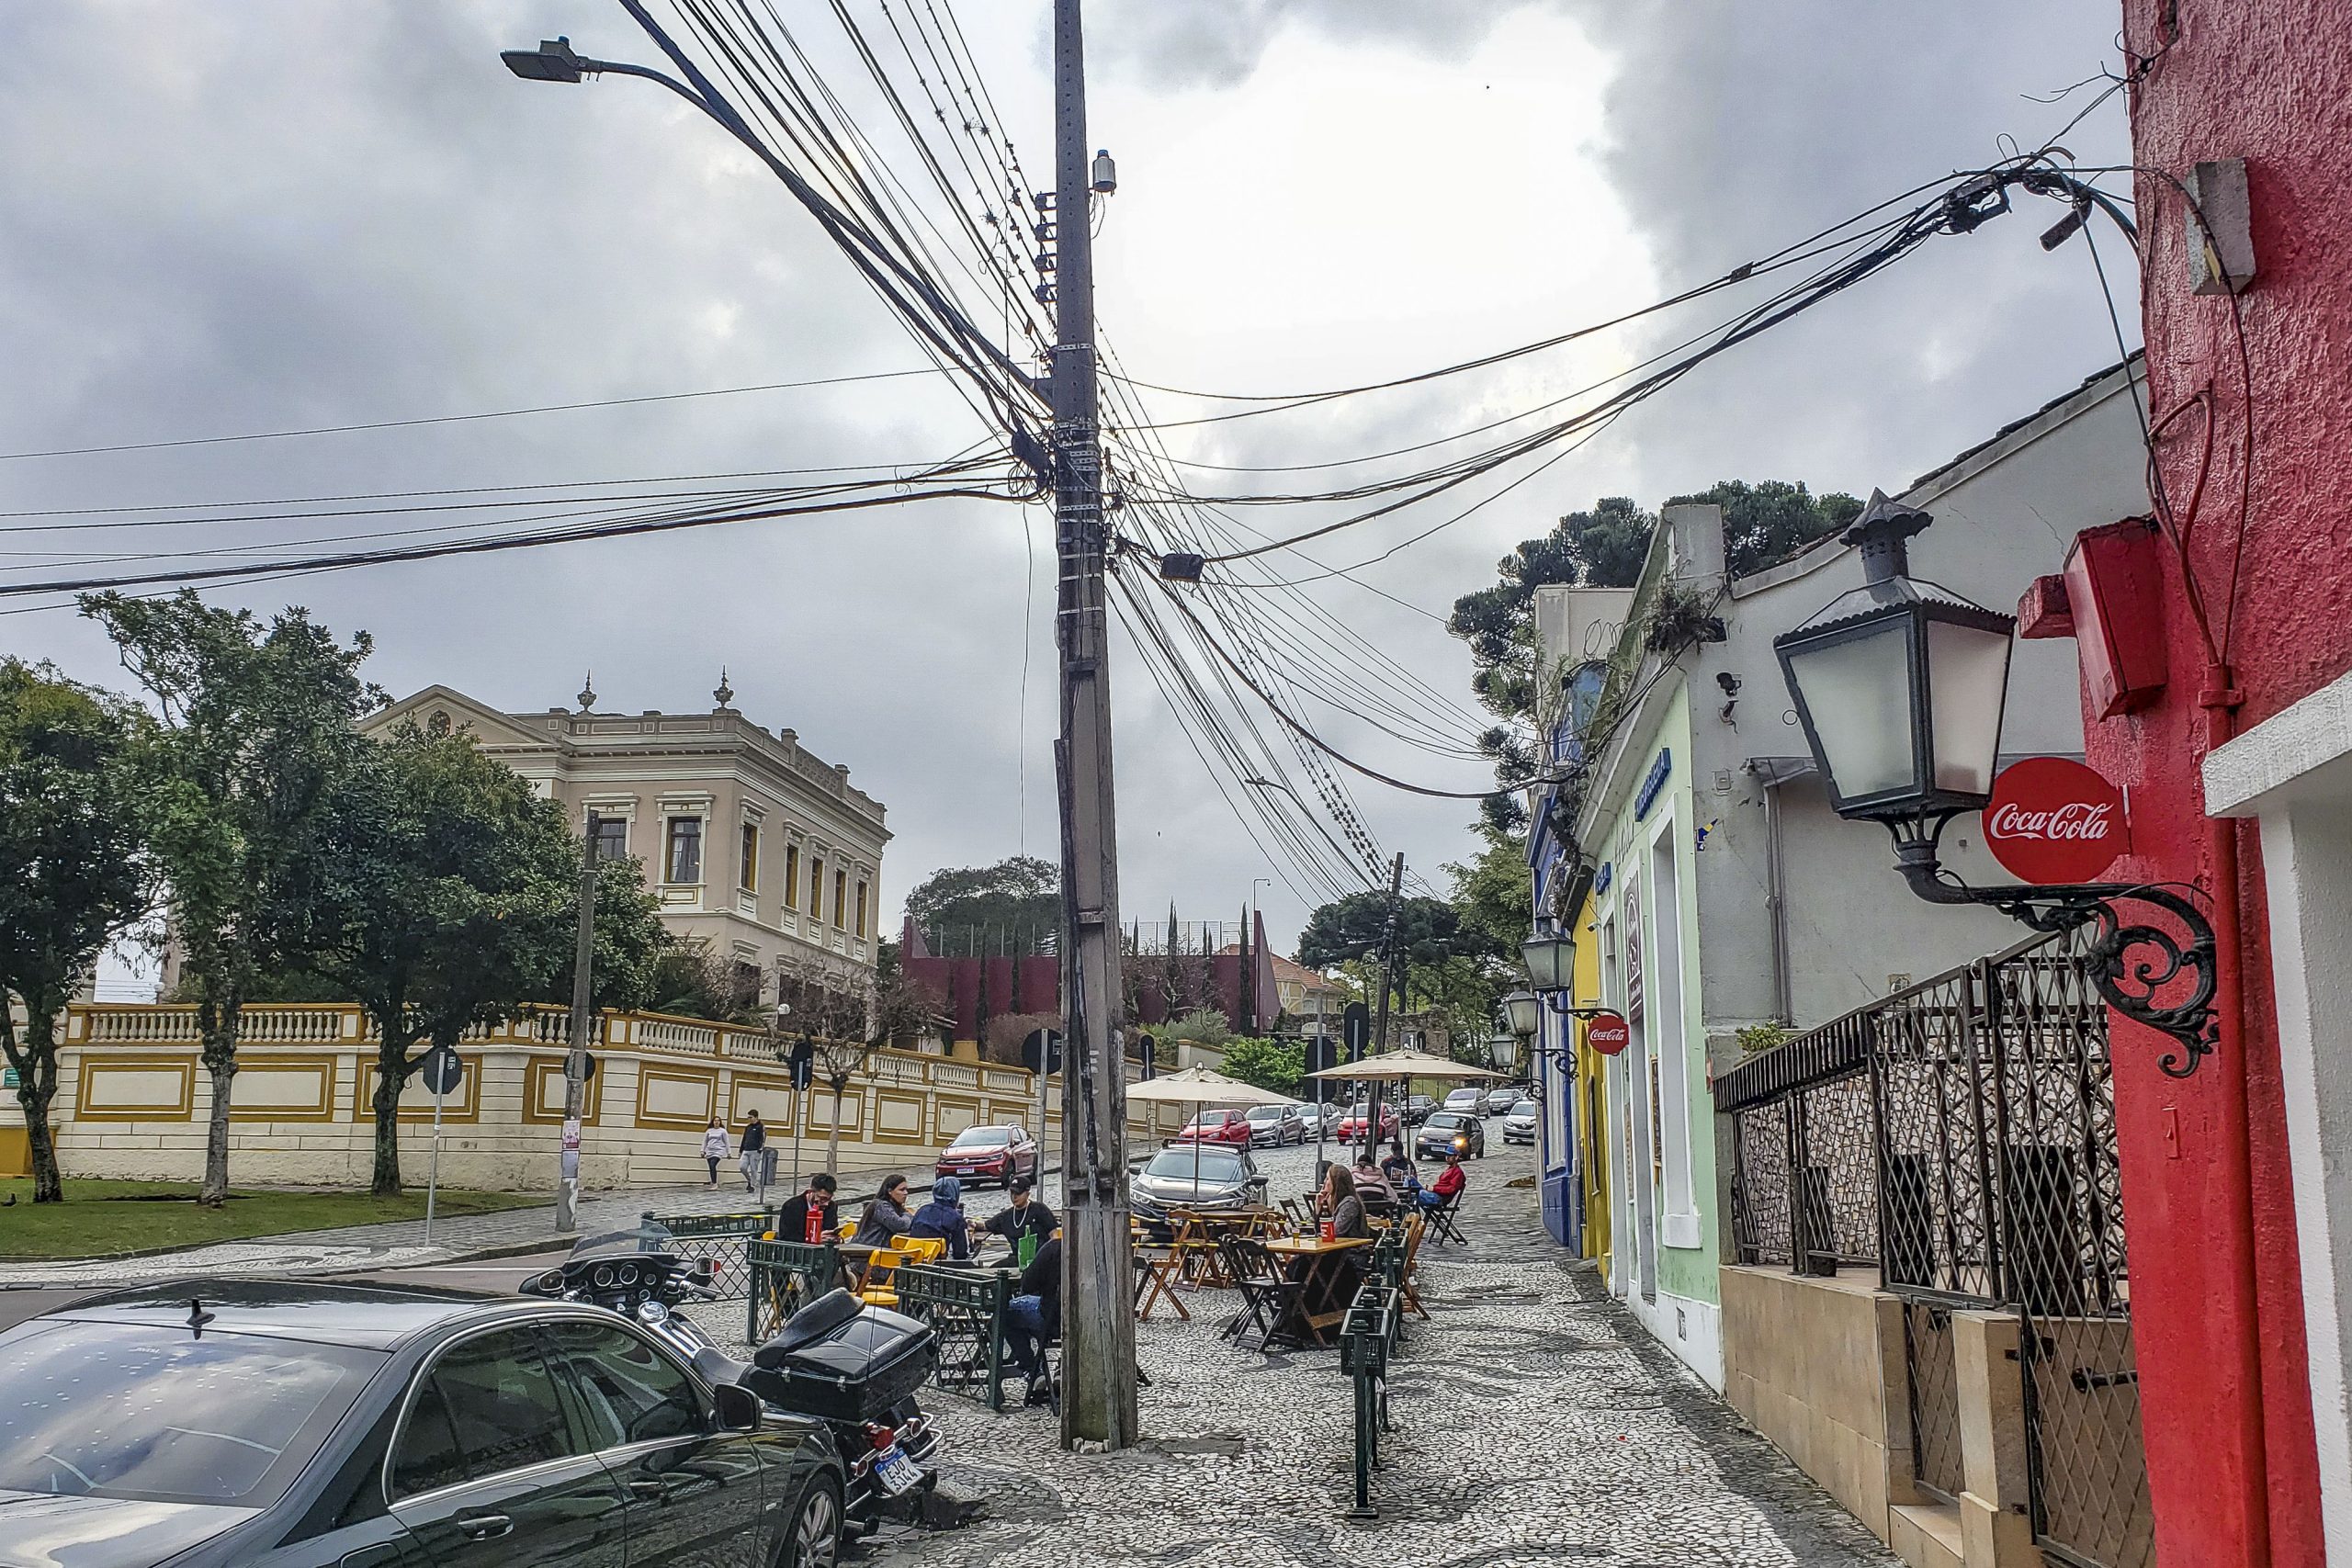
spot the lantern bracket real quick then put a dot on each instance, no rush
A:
(2128, 963)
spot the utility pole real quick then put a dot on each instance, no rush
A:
(1098, 1313)
(1380, 1022)
(575, 1062)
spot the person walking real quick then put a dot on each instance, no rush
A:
(755, 1143)
(886, 1218)
(714, 1149)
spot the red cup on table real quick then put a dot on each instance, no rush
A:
(1330, 1230)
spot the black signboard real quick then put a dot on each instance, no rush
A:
(441, 1069)
(1041, 1050)
(1355, 1028)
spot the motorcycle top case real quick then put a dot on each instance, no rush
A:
(842, 1361)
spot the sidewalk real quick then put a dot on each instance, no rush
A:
(400, 1244)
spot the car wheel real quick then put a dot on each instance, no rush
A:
(814, 1538)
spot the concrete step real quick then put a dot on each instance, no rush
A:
(1926, 1535)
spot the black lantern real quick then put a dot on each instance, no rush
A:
(1900, 686)
(1551, 958)
(1522, 1012)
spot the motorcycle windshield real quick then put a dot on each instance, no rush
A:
(649, 1237)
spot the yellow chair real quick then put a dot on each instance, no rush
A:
(923, 1249)
(875, 1289)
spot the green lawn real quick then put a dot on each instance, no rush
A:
(100, 1217)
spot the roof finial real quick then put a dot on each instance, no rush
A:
(724, 693)
(588, 691)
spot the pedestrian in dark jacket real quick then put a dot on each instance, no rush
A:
(754, 1151)
(944, 1217)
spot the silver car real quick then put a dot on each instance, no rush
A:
(1519, 1121)
(1312, 1116)
(1196, 1176)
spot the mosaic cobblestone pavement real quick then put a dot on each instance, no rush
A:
(1536, 1423)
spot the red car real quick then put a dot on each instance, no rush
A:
(1231, 1127)
(1352, 1125)
(989, 1154)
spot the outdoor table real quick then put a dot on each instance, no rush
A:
(1319, 1267)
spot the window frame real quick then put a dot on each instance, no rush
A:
(747, 870)
(792, 876)
(864, 908)
(576, 1436)
(841, 898)
(817, 888)
(670, 843)
(603, 834)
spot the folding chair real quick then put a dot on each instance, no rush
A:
(875, 1288)
(1266, 1291)
(1155, 1268)
(1440, 1218)
(1302, 1215)
(1415, 1229)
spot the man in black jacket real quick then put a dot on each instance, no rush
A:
(1027, 1216)
(792, 1219)
(1032, 1318)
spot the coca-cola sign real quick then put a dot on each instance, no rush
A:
(2052, 820)
(1608, 1034)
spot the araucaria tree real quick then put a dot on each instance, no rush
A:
(441, 893)
(256, 736)
(73, 869)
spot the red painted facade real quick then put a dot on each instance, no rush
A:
(2255, 610)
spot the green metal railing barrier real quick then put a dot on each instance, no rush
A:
(965, 1307)
(1367, 1335)
(783, 1277)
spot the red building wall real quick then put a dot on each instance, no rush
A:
(2217, 1304)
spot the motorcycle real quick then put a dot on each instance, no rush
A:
(853, 1367)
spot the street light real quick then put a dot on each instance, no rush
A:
(1900, 686)
(1522, 1012)
(554, 60)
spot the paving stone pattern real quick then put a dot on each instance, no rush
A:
(1536, 1423)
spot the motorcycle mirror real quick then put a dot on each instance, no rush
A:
(736, 1407)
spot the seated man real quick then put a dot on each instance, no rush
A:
(809, 1216)
(944, 1217)
(1449, 1183)
(1399, 1170)
(1034, 1317)
(1025, 1224)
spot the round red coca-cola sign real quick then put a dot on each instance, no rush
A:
(1607, 1034)
(2052, 820)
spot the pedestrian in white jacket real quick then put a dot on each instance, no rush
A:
(714, 1149)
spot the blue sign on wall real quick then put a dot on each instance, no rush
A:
(1653, 784)
(1607, 874)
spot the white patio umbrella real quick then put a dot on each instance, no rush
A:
(1200, 1087)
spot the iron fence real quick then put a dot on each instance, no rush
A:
(1960, 1136)
(720, 1238)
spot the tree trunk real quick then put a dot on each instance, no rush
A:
(35, 1060)
(216, 1019)
(392, 1075)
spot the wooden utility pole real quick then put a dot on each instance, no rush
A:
(1380, 1023)
(1098, 1397)
(575, 1060)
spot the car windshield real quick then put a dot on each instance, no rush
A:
(1267, 1112)
(1447, 1118)
(1213, 1118)
(153, 1414)
(1215, 1167)
(1525, 1108)
(1462, 1097)
(982, 1138)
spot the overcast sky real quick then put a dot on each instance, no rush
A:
(229, 218)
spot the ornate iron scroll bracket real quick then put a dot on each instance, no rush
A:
(2127, 963)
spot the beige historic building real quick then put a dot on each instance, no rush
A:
(759, 851)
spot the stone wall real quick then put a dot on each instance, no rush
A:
(133, 1100)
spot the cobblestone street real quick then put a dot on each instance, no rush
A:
(1535, 1424)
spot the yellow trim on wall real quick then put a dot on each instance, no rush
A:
(537, 1071)
(770, 1093)
(464, 1106)
(93, 1067)
(648, 1073)
(322, 1107)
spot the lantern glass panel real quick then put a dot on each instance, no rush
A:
(1551, 962)
(1523, 1012)
(1968, 670)
(1857, 691)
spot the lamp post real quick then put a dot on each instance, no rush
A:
(1899, 685)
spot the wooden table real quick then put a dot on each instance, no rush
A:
(1320, 1268)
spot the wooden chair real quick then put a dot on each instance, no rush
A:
(1416, 1227)
(1301, 1213)
(1156, 1266)
(1267, 1292)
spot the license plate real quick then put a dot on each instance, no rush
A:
(897, 1473)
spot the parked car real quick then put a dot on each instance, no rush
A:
(212, 1422)
(1217, 1127)
(1352, 1125)
(1468, 1098)
(1500, 1097)
(1312, 1116)
(1198, 1175)
(989, 1154)
(1417, 1109)
(1275, 1125)
(1519, 1121)
(1452, 1131)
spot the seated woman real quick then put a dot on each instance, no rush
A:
(1371, 1185)
(1342, 1203)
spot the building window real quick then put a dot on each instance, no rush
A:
(840, 897)
(860, 927)
(750, 856)
(611, 836)
(792, 876)
(686, 850)
(816, 889)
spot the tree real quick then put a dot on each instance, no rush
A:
(256, 736)
(1433, 947)
(1013, 908)
(1201, 1026)
(73, 869)
(1768, 521)
(442, 893)
(694, 980)
(1276, 1065)
(829, 1005)
(629, 941)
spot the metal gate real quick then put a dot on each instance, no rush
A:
(1979, 1110)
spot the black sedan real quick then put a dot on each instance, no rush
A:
(280, 1423)
(1452, 1131)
